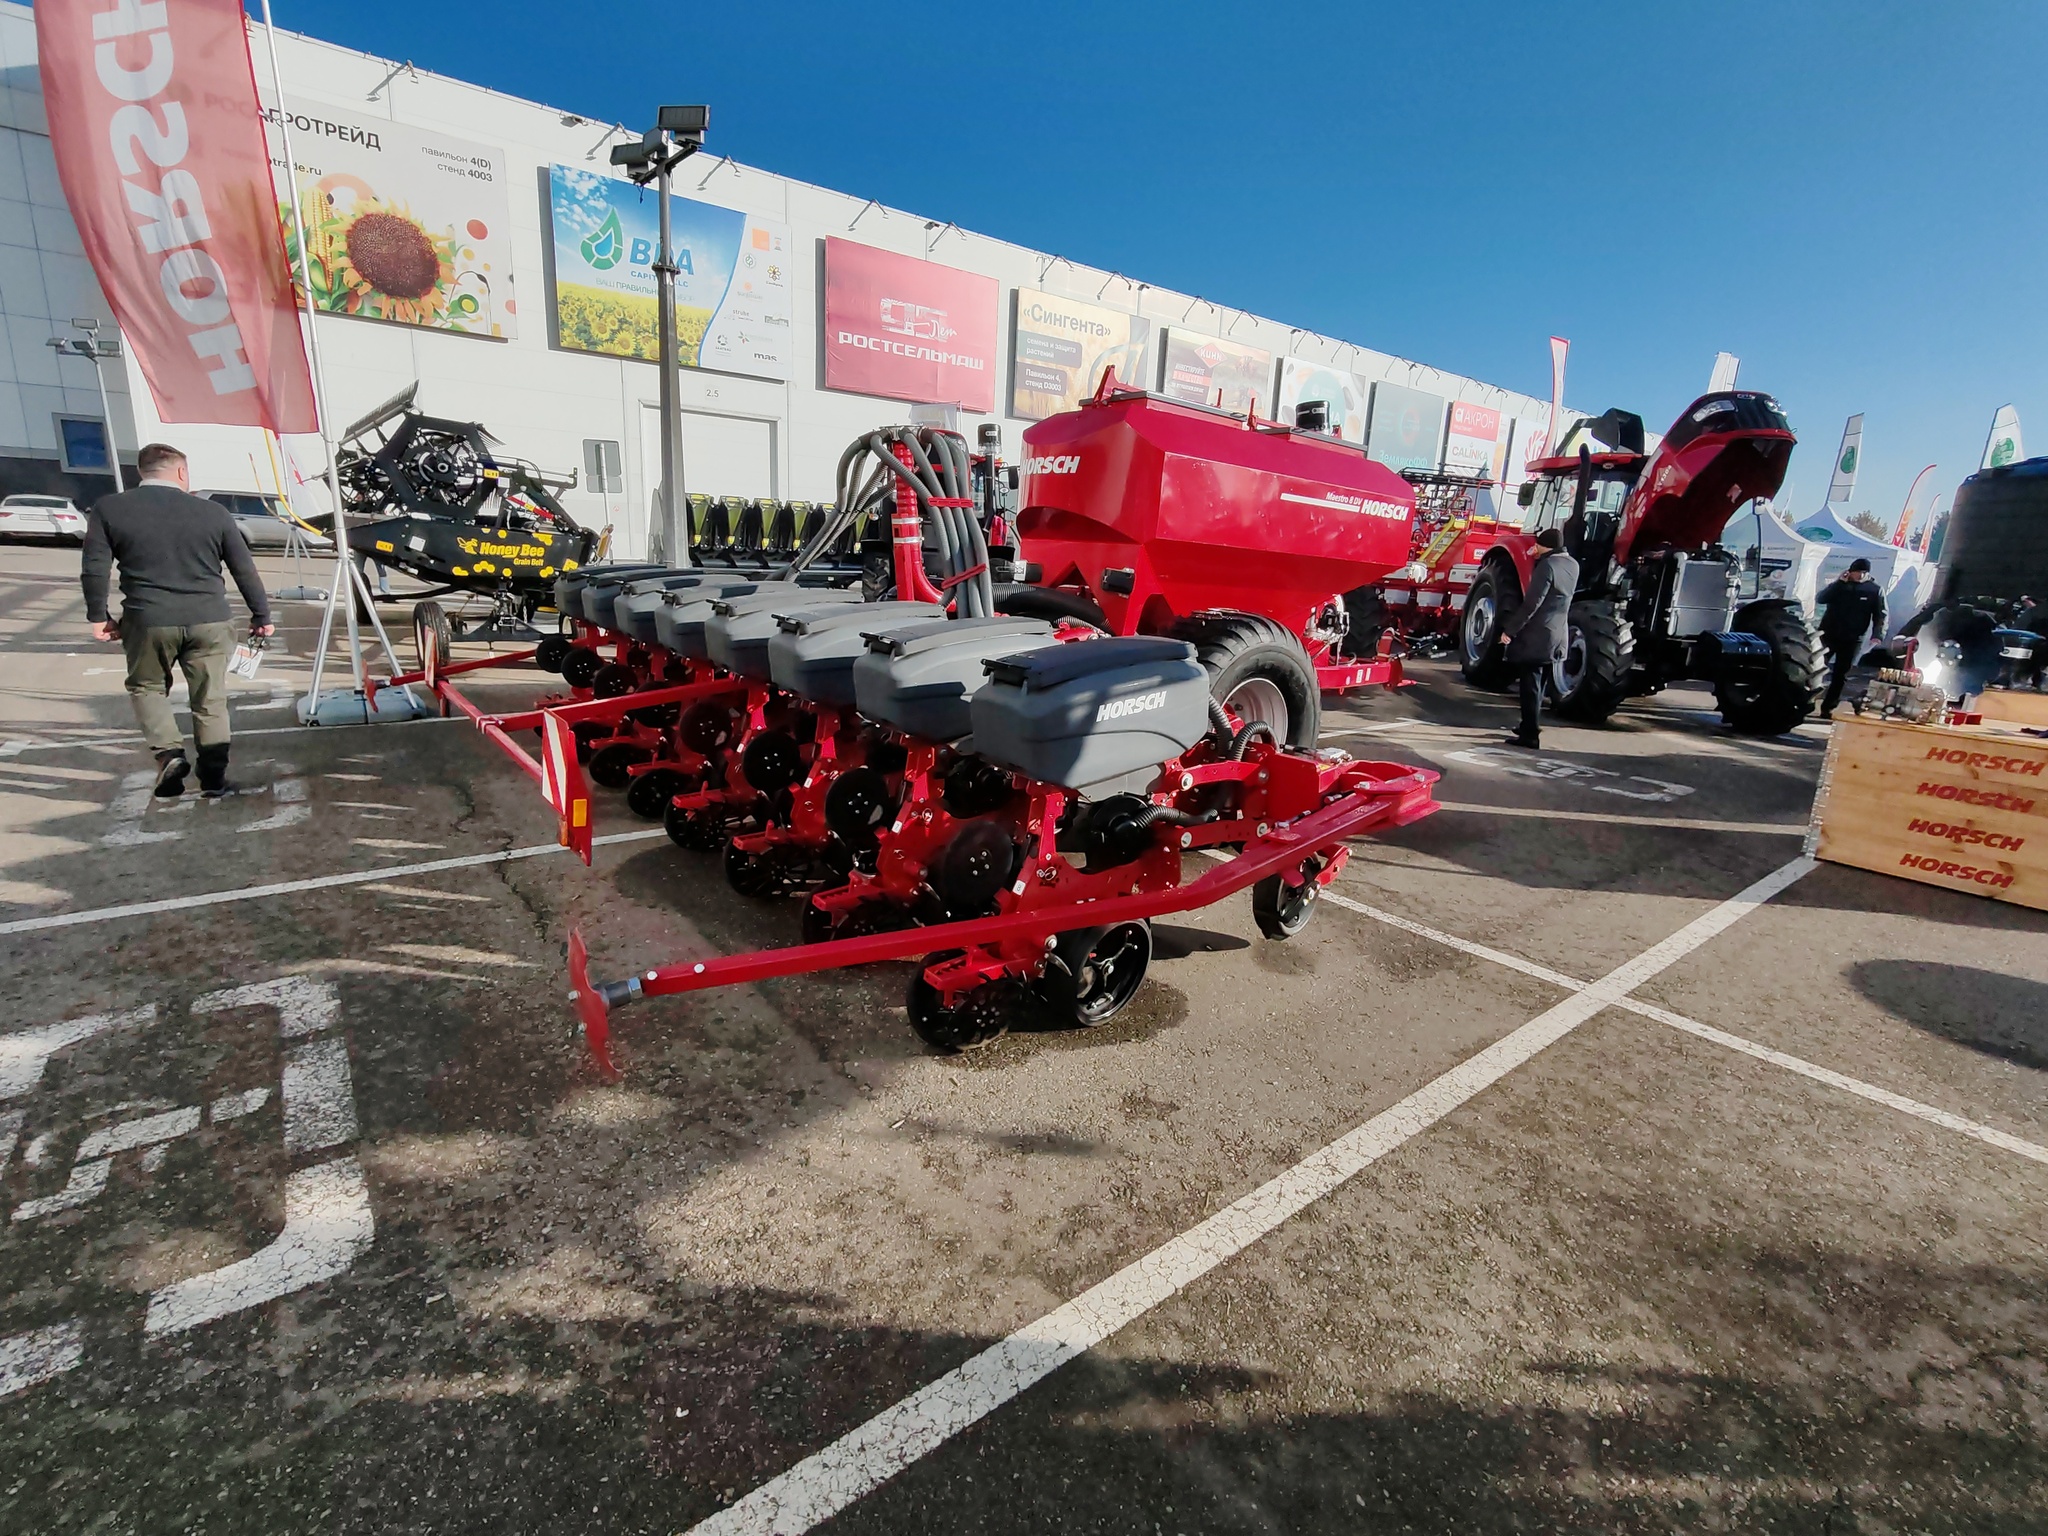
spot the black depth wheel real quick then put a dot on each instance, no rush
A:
(1281, 910)
(980, 1018)
(610, 764)
(552, 652)
(580, 666)
(817, 924)
(649, 793)
(1092, 973)
(752, 875)
(612, 681)
(700, 831)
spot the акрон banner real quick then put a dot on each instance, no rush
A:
(1474, 434)
(908, 329)
(400, 224)
(1208, 370)
(153, 121)
(732, 276)
(1407, 427)
(1061, 348)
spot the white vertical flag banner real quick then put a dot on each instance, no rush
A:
(1847, 458)
(2003, 445)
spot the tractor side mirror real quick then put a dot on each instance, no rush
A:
(1526, 496)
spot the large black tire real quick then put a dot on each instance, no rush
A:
(1495, 592)
(1258, 668)
(430, 626)
(1593, 679)
(1790, 688)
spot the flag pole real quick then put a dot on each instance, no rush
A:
(347, 577)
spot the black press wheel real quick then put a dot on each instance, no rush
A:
(1259, 671)
(611, 764)
(1494, 594)
(700, 831)
(650, 792)
(817, 924)
(1092, 973)
(612, 681)
(552, 652)
(752, 875)
(979, 1018)
(430, 626)
(580, 666)
(1281, 910)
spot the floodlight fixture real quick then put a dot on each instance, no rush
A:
(684, 122)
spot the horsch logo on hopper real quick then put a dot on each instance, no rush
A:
(1053, 464)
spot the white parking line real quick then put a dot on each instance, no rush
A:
(1990, 1135)
(316, 883)
(821, 1485)
(1684, 823)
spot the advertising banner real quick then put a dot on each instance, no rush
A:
(1560, 349)
(1407, 427)
(1848, 458)
(732, 286)
(152, 113)
(2002, 446)
(1059, 348)
(400, 225)
(1346, 395)
(1530, 437)
(1196, 368)
(1474, 435)
(908, 329)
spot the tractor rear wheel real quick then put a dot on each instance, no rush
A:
(1481, 656)
(1600, 653)
(1784, 695)
(1259, 671)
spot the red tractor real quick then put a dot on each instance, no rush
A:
(1657, 599)
(1148, 516)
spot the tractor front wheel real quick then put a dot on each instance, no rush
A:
(1481, 656)
(1778, 699)
(1600, 653)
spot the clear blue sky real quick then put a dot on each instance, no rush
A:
(1849, 197)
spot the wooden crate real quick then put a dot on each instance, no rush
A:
(1966, 809)
(2020, 706)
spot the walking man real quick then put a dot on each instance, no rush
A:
(1849, 609)
(1540, 631)
(171, 546)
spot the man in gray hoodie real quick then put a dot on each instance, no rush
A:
(170, 546)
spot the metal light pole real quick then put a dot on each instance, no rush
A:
(91, 347)
(678, 134)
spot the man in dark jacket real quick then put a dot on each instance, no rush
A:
(171, 546)
(1540, 630)
(1849, 609)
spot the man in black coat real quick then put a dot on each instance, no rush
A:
(1540, 630)
(171, 546)
(1849, 609)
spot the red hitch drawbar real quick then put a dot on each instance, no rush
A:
(1371, 798)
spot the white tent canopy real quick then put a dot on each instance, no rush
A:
(1901, 573)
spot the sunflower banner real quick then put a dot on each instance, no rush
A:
(399, 225)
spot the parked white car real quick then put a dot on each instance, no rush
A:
(264, 520)
(27, 516)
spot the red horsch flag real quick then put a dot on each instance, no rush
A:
(159, 144)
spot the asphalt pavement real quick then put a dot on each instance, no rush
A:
(1592, 1162)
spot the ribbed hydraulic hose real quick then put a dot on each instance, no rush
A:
(926, 470)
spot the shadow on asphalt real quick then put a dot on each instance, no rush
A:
(349, 1423)
(2000, 1015)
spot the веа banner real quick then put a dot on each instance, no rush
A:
(153, 121)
